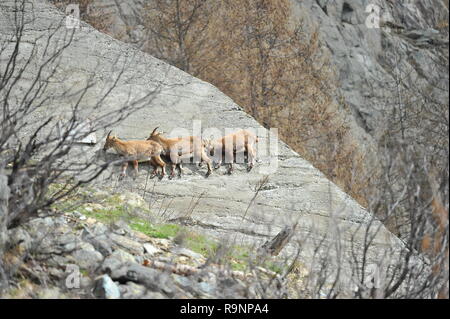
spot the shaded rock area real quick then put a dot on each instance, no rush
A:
(409, 37)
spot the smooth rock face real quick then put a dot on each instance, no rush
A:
(223, 206)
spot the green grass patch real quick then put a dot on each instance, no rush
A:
(107, 216)
(238, 257)
(164, 231)
(200, 244)
(242, 258)
(274, 266)
(192, 240)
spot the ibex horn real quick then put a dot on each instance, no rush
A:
(109, 134)
(154, 130)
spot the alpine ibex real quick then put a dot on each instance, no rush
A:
(137, 151)
(240, 141)
(181, 147)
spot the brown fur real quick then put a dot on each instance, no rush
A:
(181, 147)
(138, 151)
(242, 141)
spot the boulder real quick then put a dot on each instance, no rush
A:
(106, 288)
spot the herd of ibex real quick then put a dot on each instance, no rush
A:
(174, 150)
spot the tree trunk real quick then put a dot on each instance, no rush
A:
(274, 246)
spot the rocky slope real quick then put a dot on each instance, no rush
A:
(223, 207)
(73, 255)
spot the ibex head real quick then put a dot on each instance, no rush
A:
(207, 143)
(109, 141)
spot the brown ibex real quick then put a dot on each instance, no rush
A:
(137, 151)
(240, 141)
(181, 147)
